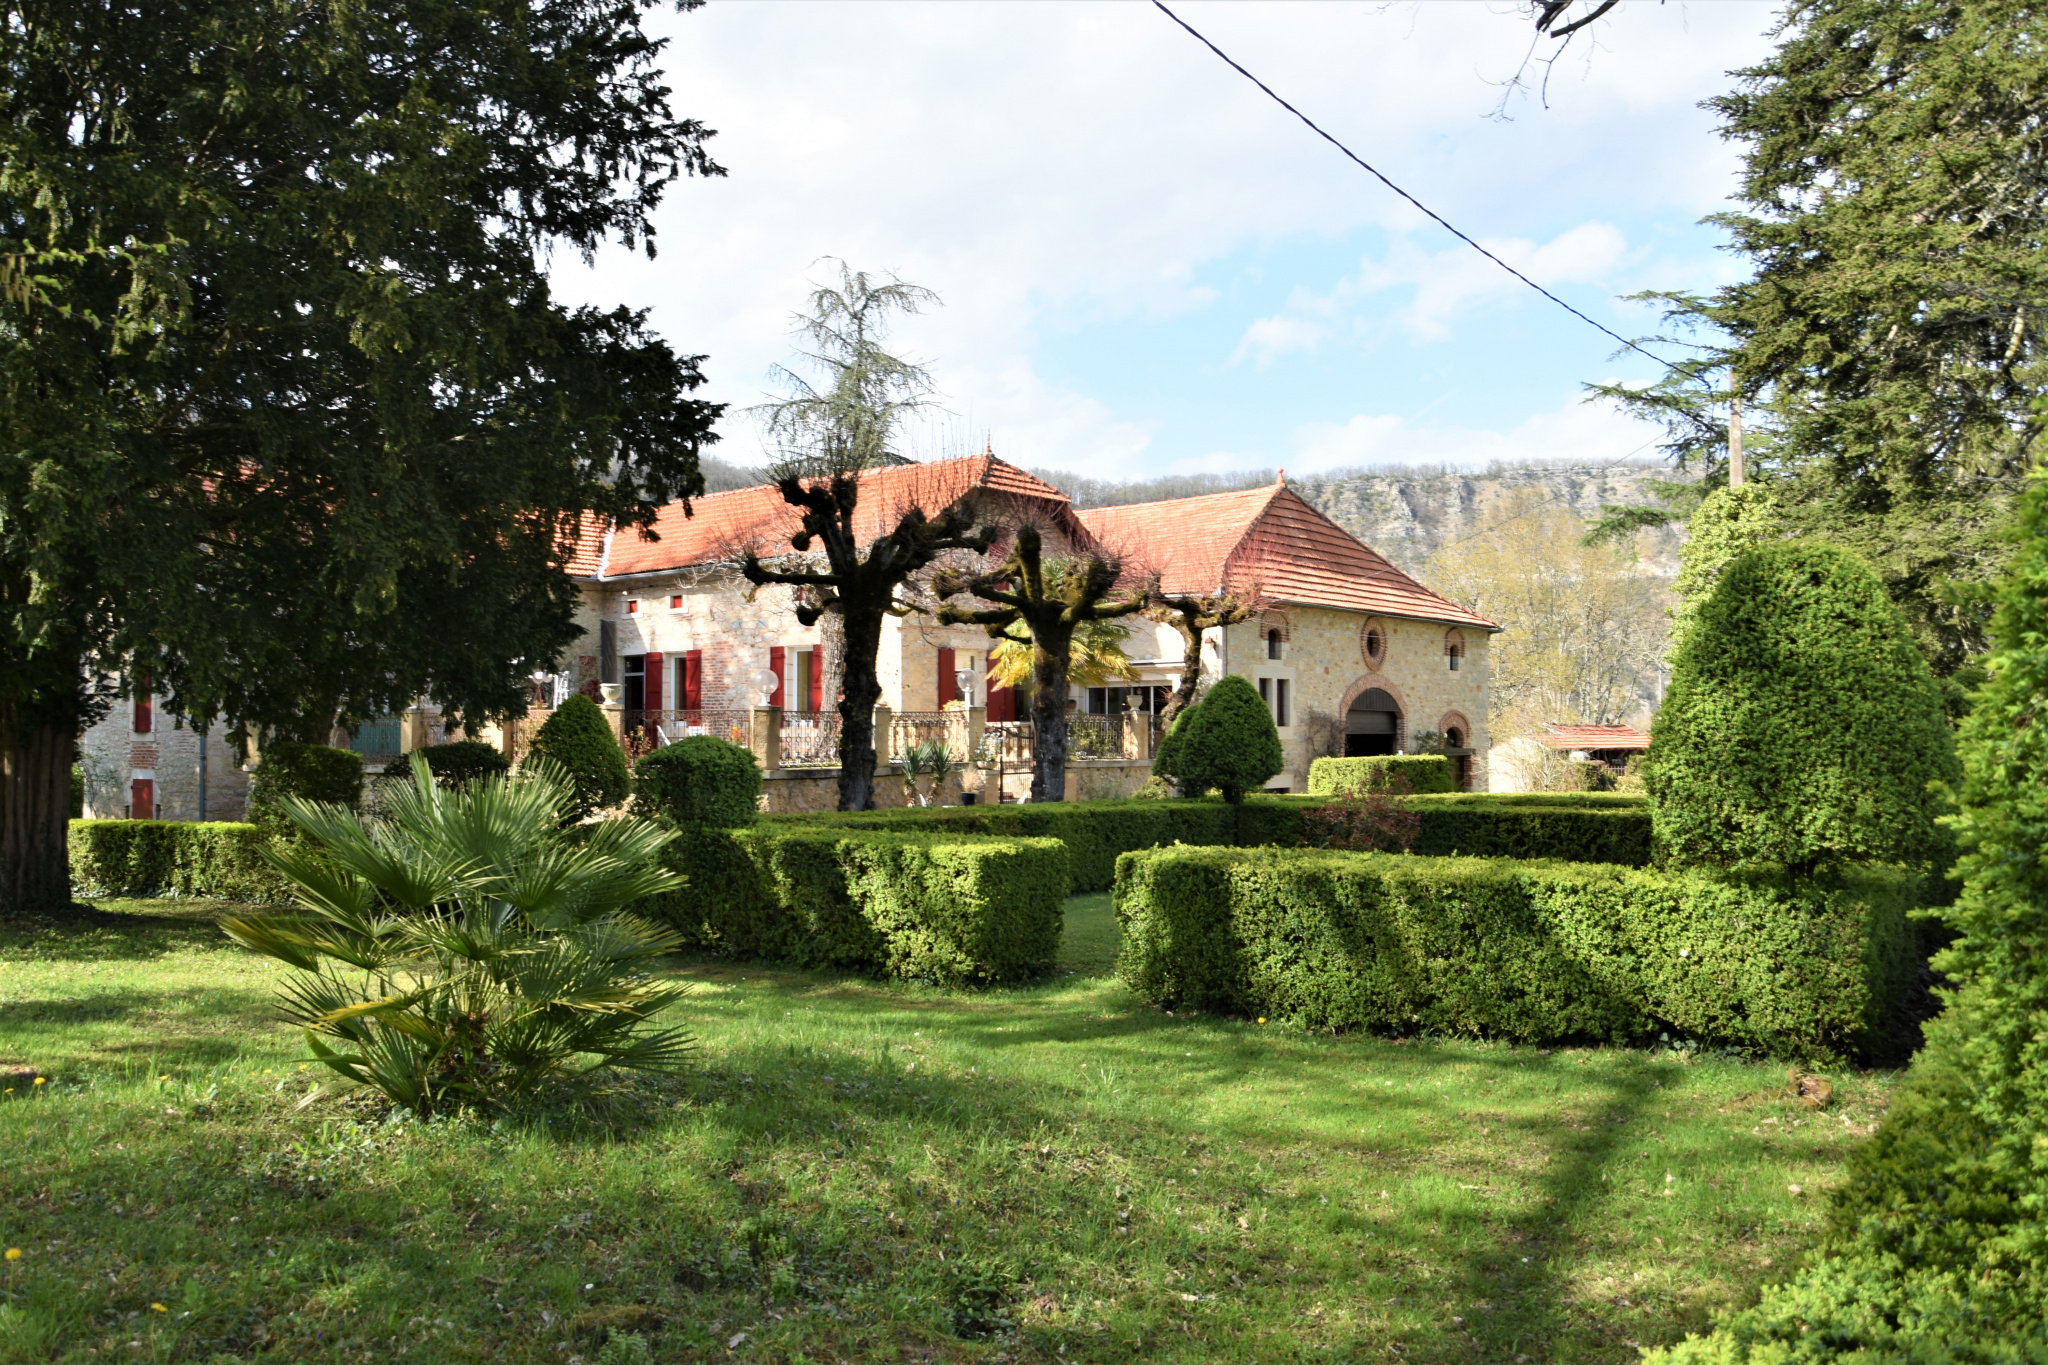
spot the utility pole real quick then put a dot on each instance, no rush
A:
(1734, 437)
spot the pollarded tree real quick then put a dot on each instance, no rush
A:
(1190, 615)
(1802, 725)
(1048, 602)
(290, 423)
(850, 564)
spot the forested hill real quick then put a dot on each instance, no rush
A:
(1408, 513)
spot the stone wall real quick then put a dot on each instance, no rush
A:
(803, 791)
(114, 757)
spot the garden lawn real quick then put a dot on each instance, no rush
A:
(858, 1171)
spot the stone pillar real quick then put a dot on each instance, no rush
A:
(885, 736)
(765, 737)
(615, 716)
(977, 726)
(1138, 734)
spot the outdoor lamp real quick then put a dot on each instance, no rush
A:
(765, 683)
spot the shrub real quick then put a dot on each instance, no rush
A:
(1526, 951)
(288, 770)
(464, 761)
(1935, 1248)
(700, 781)
(578, 737)
(1802, 724)
(1375, 821)
(175, 858)
(1342, 776)
(1228, 742)
(961, 911)
(470, 949)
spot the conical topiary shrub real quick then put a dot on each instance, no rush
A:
(578, 737)
(1226, 741)
(1802, 725)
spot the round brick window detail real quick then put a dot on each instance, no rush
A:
(1372, 644)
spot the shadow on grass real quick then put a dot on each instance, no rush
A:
(136, 931)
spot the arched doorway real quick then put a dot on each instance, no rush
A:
(1373, 725)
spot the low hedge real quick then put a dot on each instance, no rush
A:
(1532, 952)
(173, 857)
(1095, 832)
(1574, 827)
(1424, 773)
(960, 911)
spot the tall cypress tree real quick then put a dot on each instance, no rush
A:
(291, 429)
(1890, 339)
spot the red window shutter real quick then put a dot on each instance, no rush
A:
(653, 686)
(142, 799)
(1002, 703)
(817, 680)
(693, 680)
(947, 690)
(775, 658)
(145, 716)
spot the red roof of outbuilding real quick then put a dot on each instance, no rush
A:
(1269, 544)
(1595, 737)
(721, 525)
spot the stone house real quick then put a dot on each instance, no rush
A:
(1352, 655)
(141, 762)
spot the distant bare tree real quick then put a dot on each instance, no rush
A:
(1049, 602)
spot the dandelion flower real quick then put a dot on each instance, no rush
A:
(158, 1308)
(163, 1078)
(14, 1253)
(41, 1079)
(1262, 1018)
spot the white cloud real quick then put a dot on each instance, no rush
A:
(1049, 169)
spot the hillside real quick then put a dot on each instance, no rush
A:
(1408, 513)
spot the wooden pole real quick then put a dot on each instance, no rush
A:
(1735, 439)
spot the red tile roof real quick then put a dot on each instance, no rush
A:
(1595, 737)
(722, 524)
(1268, 544)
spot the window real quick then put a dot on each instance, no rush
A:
(632, 606)
(1280, 703)
(1454, 649)
(145, 718)
(1266, 691)
(675, 602)
(1372, 643)
(1272, 644)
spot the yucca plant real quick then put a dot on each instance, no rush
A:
(927, 764)
(466, 947)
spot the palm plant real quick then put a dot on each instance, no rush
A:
(466, 948)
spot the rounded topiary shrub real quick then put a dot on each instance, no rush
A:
(578, 738)
(464, 761)
(310, 772)
(701, 781)
(1227, 741)
(1802, 725)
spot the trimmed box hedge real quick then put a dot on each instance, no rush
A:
(1340, 776)
(1095, 832)
(1572, 827)
(937, 907)
(220, 859)
(1533, 952)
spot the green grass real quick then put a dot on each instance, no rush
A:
(857, 1171)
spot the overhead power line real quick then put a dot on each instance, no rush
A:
(1377, 174)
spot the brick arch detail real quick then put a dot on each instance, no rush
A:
(1367, 681)
(1457, 718)
(1275, 619)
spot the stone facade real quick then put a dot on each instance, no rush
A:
(143, 753)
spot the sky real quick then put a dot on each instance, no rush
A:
(1147, 267)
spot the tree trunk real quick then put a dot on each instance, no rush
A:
(832, 644)
(1049, 718)
(1190, 673)
(37, 744)
(862, 690)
